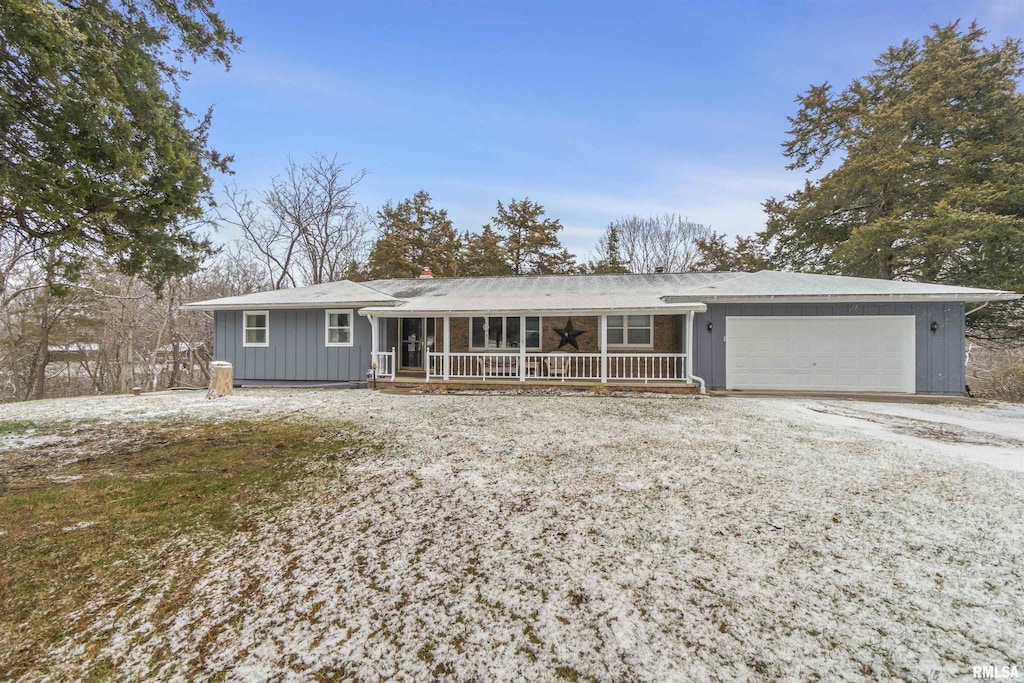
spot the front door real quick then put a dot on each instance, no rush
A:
(412, 343)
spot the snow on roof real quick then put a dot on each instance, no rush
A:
(774, 285)
(327, 294)
(540, 293)
(637, 292)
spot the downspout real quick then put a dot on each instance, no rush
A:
(967, 353)
(375, 365)
(690, 318)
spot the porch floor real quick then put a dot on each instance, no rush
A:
(418, 381)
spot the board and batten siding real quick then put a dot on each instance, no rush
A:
(939, 355)
(296, 351)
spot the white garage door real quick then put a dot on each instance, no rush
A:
(821, 353)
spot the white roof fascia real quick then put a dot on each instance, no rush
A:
(849, 298)
(668, 309)
(307, 305)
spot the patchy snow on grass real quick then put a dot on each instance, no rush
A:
(28, 439)
(64, 479)
(545, 538)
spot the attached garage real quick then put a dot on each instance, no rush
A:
(822, 353)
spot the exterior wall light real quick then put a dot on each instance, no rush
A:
(710, 326)
(934, 326)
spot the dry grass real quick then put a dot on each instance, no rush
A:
(128, 501)
(996, 372)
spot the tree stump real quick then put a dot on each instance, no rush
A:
(222, 379)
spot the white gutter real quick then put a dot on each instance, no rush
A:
(398, 312)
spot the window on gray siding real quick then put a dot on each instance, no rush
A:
(255, 328)
(339, 328)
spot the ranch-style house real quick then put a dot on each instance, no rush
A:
(740, 331)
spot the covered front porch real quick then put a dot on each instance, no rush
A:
(644, 347)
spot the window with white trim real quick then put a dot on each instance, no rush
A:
(255, 328)
(339, 327)
(496, 332)
(631, 330)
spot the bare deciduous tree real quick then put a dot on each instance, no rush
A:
(668, 241)
(306, 229)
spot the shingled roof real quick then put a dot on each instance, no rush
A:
(548, 293)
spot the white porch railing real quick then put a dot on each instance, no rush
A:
(569, 366)
(647, 366)
(473, 365)
(556, 366)
(433, 363)
(385, 361)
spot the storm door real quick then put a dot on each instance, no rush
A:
(412, 343)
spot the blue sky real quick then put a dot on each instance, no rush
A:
(597, 110)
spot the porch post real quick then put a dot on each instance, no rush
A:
(689, 345)
(446, 361)
(603, 331)
(522, 348)
(374, 340)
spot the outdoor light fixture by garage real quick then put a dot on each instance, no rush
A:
(710, 326)
(934, 327)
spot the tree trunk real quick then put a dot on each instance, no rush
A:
(40, 359)
(172, 321)
(36, 388)
(885, 264)
(221, 379)
(127, 361)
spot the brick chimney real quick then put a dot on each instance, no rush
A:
(426, 274)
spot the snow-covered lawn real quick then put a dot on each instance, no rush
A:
(547, 538)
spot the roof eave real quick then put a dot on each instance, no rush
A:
(667, 309)
(851, 298)
(203, 306)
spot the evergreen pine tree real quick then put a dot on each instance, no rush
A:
(930, 183)
(531, 240)
(483, 253)
(413, 236)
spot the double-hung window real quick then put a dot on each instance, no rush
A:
(255, 328)
(495, 332)
(339, 327)
(630, 330)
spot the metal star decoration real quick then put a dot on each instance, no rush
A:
(568, 334)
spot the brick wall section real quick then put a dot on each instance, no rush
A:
(666, 334)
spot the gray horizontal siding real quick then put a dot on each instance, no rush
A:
(939, 355)
(296, 352)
